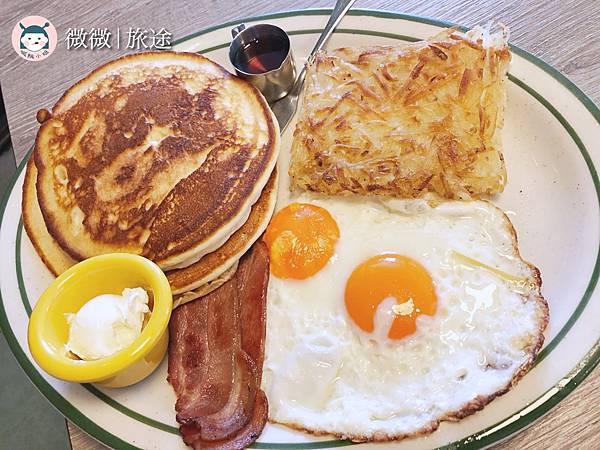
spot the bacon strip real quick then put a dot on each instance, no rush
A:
(216, 355)
(242, 439)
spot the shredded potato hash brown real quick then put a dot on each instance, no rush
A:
(405, 120)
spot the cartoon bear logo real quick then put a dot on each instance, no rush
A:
(34, 38)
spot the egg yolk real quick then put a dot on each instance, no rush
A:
(301, 238)
(385, 276)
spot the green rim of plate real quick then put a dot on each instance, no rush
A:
(492, 434)
(58, 401)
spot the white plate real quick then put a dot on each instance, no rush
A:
(551, 140)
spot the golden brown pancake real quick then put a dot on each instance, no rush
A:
(159, 154)
(217, 262)
(189, 283)
(55, 259)
(205, 289)
(405, 120)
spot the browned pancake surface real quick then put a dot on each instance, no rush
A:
(150, 154)
(194, 281)
(196, 274)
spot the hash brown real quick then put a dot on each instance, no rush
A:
(405, 120)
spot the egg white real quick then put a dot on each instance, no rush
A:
(323, 374)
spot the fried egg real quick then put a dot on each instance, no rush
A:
(386, 317)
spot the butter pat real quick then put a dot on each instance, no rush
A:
(107, 324)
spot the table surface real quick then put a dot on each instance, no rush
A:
(563, 33)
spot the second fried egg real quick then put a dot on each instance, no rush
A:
(395, 315)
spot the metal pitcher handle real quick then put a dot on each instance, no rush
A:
(237, 30)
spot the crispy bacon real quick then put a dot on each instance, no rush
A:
(242, 439)
(216, 354)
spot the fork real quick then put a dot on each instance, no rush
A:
(285, 108)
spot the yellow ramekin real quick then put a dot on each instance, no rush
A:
(107, 274)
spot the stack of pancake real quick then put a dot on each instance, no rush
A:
(165, 155)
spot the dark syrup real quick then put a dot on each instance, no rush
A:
(261, 56)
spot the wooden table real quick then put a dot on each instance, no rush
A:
(563, 33)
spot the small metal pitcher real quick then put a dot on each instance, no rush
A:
(276, 82)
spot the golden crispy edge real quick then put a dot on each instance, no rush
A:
(34, 224)
(197, 274)
(274, 137)
(479, 402)
(170, 262)
(205, 289)
(35, 232)
(149, 56)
